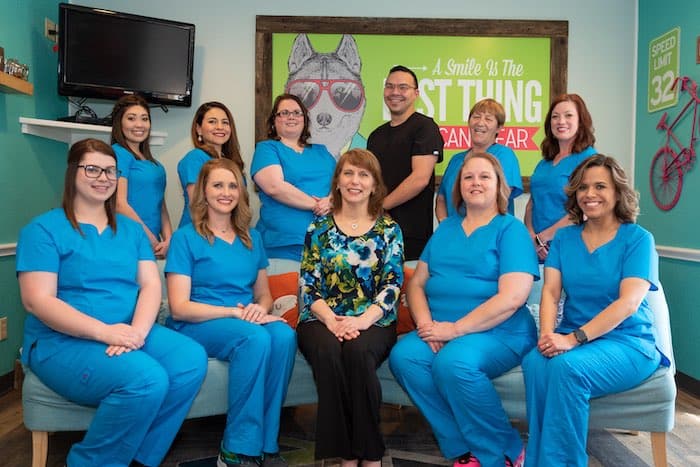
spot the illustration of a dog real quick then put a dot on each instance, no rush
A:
(331, 87)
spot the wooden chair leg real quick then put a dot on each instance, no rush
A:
(40, 448)
(658, 449)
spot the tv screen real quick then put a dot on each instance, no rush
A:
(106, 54)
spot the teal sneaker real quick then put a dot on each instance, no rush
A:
(228, 459)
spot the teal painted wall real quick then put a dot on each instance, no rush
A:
(678, 227)
(31, 168)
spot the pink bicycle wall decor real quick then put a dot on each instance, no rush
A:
(673, 159)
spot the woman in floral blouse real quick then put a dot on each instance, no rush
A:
(351, 276)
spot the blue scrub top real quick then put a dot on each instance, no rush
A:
(188, 170)
(547, 188)
(97, 272)
(221, 274)
(511, 169)
(146, 186)
(592, 280)
(464, 270)
(283, 227)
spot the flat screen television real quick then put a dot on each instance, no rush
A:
(106, 54)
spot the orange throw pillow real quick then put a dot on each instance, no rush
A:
(405, 321)
(284, 289)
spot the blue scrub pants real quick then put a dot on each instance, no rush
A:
(558, 391)
(454, 392)
(141, 396)
(261, 358)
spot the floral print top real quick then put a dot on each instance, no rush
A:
(350, 273)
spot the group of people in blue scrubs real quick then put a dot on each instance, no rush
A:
(89, 280)
(596, 330)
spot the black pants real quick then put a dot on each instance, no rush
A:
(349, 394)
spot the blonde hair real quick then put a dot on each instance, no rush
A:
(502, 188)
(240, 216)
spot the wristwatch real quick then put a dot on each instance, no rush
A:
(580, 336)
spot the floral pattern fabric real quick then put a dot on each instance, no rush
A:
(350, 273)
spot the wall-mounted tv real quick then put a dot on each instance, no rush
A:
(106, 54)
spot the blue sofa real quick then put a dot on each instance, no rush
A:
(648, 407)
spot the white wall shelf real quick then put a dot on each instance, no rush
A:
(68, 132)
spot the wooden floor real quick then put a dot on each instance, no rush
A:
(15, 440)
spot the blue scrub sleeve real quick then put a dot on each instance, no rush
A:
(179, 260)
(191, 165)
(641, 259)
(36, 250)
(265, 155)
(144, 245)
(516, 251)
(553, 260)
(259, 248)
(124, 160)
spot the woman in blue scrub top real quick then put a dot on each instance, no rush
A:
(605, 342)
(214, 136)
(467, 297)
(142, 178)
(486, 119)
(88, 279)
(219, 295)
(568, 129)
(294, 177)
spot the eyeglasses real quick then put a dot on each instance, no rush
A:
(288, 113)
(94, 171)
(401, 87)
(347, 95)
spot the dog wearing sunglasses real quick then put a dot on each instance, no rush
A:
(331, 88)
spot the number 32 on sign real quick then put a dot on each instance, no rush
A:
(664, 66)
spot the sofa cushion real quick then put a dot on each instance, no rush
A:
(283, 288)
(405, 321)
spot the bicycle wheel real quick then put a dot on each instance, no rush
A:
(665, 179)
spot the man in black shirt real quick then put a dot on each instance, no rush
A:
(408, 147)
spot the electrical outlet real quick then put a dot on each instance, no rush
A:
(3, 328)
(50, 30)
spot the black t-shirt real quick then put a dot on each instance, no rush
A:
(394, 147)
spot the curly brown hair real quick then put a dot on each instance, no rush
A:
(627, 205)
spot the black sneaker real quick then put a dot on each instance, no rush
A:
(273, 460)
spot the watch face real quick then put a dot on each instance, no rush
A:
(580, 336)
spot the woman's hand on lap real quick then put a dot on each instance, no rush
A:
(553, 344)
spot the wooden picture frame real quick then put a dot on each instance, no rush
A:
(266, 26)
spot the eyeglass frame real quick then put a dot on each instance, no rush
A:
(104, 170)
(325, 85)
(290, 113)
(401, 87)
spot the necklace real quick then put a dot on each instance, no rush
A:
(354, 226)
(221, 231)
